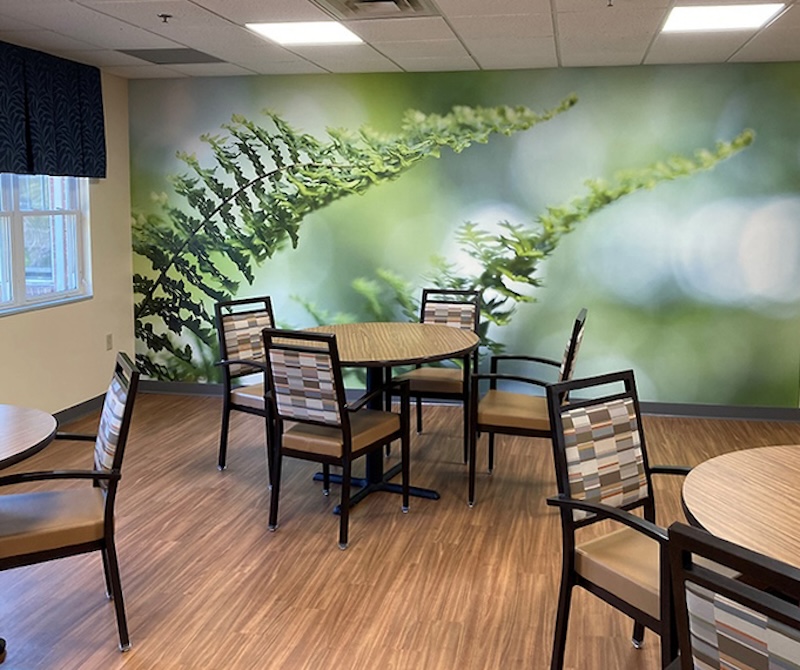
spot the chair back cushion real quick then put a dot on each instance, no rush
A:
(242, 335)
(305, 385)
(454, 314)
(115, 417)
(603, 450)
(572, 348)
(727, 634)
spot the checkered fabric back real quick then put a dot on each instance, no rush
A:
(604, 454)
(568, 366)
(108, 432)
(726, 635)
(304, 386)
(243, 338)
(454, 314)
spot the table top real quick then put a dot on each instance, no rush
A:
(23, 432)
(750, 497)
(392, 343)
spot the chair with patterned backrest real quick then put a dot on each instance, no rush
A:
(239, 326)
(748, 621)
(458, 309)
(315, 422)
(514, 412)
(45, 524)
(603, 473)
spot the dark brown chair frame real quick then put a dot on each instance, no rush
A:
(469, 363)
(316, 343)
(561, 398)
(244, 367)
(495, 377)
(128, 376)
(763, 584)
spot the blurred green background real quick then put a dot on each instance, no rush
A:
(695, 284)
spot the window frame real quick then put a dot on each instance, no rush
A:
(14, 282)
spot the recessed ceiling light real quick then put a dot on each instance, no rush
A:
(309, 32)
(720, 17)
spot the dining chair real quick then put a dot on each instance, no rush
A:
(47, 524)
(603, 473)
(515, 412)
(750, 620)
(315, 422)
(239, 326)
(458, 309)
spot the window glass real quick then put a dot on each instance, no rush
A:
(43, 241)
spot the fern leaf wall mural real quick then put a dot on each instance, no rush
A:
(229, 200)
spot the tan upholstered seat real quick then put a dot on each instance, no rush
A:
(239, 326)
(457, 309)
(46, 524)
(626, 563)
(603, 473)
(251, 396)
(45, 520)
(313, 420)
(515, 412)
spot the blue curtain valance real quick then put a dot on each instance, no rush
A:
(51, 115)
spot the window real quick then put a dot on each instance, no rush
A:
(44, 241)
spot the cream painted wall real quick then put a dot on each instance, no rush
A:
(56, 358)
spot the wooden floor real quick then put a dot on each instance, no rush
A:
(443, 587)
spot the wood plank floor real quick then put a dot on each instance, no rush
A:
(443, 587)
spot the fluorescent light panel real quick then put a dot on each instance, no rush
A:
(308, 32)
(720, 17)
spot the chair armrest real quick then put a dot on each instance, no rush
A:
(400, 387)
(495, 377)
(78, 437)
(679, 470)
(494, 360)
(644, 526)
(45, 475)
(258, 365)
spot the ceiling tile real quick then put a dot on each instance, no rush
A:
(501, 27)
(452, 8)
(393, 30)
(261, 11)
(437, 64)
(423, 49)
(499, 54)
(707, 48)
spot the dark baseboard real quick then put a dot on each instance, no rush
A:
(179, 388)
(79, 411)
(656, 408)
(747, 413)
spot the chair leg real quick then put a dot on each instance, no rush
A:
(326, 479)
(223, 437)
(562, 620)
(107, 575)
(491, 452)
(466, 430)
(270, 441)
(344, 507)
(405, 449)
(638, 635)
(419, 414)
(110, 554)
(276, 489)
(473, 440)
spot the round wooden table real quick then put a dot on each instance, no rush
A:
(23, 432)
(381, 345)
(750, 497)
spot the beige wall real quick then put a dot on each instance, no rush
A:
(56, 358)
